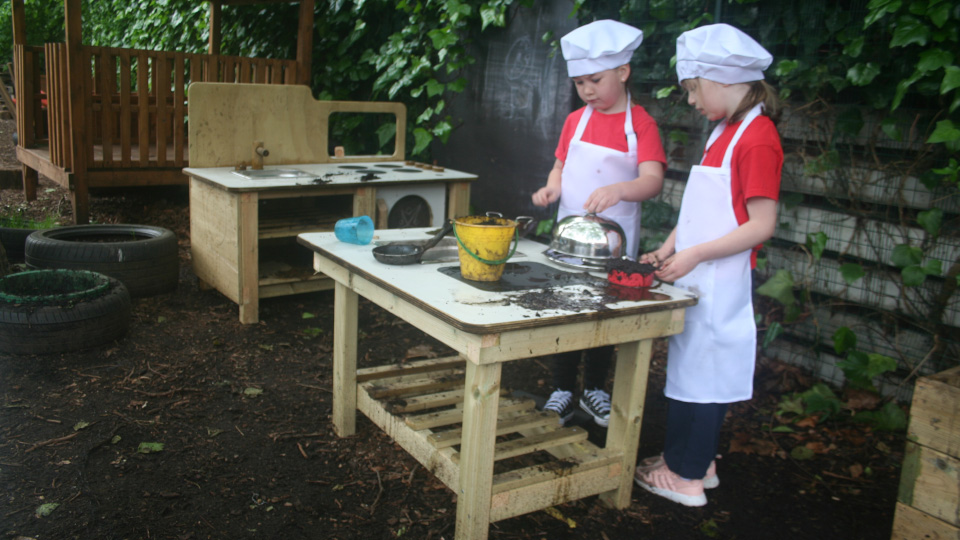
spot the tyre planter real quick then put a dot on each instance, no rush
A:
(143, 257)
(49, 311)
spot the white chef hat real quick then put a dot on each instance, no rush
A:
(720, 53)
(599, 46)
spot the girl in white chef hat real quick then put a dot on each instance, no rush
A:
(728, 210)
(609, 158)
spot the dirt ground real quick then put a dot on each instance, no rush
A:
(243, 413)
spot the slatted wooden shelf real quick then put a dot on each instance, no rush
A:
(420, 405)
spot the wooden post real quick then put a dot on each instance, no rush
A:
(214, 44)
(481, 399)
(626, 414)
(305, 42)
(30, 180)
(78, 126)
(344, 360)
(19, 23)
(248, 255)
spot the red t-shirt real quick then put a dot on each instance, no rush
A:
(607, 130)
(755, 167)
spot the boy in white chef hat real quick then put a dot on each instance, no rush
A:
(728, 211)
(609, 158)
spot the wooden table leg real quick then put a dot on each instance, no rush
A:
(626, 414)
(249, 254)
(480, 403)
(345, 361)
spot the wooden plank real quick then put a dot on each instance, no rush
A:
(423, 403)
(910, 524)
(107, 120)
(545, 472)
(506, 424)
(213, 229)
(126, 118)
(143, 95)
(54, 98)
(178, 127)
(163, 95)
(226, 118)
(406, 368)
(476, 458)
(535, 443)
(930, 482)
(569, 484)
(418, 386)
(935, 412)
(458, 199)
(455, 416)
(400, 378)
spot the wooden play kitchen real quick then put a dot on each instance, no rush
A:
(928, 503)
(500, 455)
(261, 174)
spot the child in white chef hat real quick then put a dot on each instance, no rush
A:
(729, 208)
(609, 158)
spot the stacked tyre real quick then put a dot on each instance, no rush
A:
(49, 311)
(142, 257)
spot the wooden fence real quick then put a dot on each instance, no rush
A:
(135, 101)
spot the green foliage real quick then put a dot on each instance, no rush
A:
(890, 417)
(822, 404)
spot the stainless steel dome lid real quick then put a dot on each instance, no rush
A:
(589, 236)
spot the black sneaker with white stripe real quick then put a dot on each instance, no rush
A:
(561, 403)
(596, 402)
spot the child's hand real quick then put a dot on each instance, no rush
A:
(678, 265)
(545, 196)
(651, 258)
(603, 198)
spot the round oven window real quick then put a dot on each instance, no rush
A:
(410, 211)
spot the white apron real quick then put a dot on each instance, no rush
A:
(589, 166)
(712, 360)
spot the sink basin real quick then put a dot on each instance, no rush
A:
(274, 174)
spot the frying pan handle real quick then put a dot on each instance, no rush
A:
(445, 230)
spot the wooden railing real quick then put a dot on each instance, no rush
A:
(135, 101)
(29, 85)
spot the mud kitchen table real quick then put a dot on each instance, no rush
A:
(235, 221)
(487, 328)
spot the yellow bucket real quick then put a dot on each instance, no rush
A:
(483, 243)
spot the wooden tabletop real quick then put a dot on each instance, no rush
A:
(561, 295)
(329, 174)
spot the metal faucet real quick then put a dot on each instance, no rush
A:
(259, 152)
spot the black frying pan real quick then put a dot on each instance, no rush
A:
(400, 254)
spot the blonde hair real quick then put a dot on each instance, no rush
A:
(759, 92)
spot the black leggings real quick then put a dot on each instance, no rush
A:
(564, 368)
(693, 435)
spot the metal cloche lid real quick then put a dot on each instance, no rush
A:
(589, 236)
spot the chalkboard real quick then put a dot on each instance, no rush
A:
(510, 114)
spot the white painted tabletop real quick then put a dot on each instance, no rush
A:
(471, 308)
(330, 174)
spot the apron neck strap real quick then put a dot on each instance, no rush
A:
(754, 112)
(627, 126)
